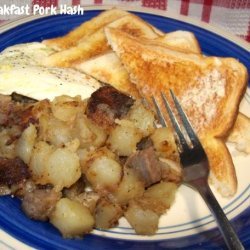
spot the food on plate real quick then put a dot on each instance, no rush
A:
(209, 89)
(81, 163)
(21, 71)
(85, 163)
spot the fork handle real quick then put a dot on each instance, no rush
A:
(230, 237)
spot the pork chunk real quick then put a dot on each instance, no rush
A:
(13, 171)
(106, 104)
(39, 203)
(147, 165)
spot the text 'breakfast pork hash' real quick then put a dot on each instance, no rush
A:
(85, 163)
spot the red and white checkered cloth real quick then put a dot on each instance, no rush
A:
(232, 15)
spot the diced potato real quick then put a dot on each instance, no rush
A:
(38, 162)
(65, 108)
(84, 155)
(130, 187)
(100, 135)
(124, 138)
(144, 221)
(104, 173)
(54, 131)
(142, 118)
(71, 218)
(164, 144)
(163, 193)
(107, 214)
(88, 133)
(73, 145)
(63, 168)
(26, 143)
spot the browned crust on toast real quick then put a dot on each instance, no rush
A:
(96, 43)
(85, 29)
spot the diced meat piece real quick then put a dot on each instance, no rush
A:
(88, 199)
(77, 193)
(39, 203)
(76, 189)
(145, 142)
(24, 117)
(13, 171)
(106, 104)
(20, 113)
(171, 171)
(147, 165)
(21, 98)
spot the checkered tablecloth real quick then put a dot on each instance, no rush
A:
(232, 15)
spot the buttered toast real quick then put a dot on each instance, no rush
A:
(95, 43)
(209, 89)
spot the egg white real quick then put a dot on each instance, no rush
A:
(21, 71)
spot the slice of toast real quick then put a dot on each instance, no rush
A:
(209, 89)
(240, 134)
(181, 40)
(108, 67)
(96, 43)
(85, 29)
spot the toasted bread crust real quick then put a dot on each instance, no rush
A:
(181, 40)
(85, 29)
(240, 134)
(95, 43)
(108, 68)
(209, 88)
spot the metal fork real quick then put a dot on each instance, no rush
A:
(196, 168)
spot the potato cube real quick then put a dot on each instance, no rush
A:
(71, 218)
(107, 214)
(144, 221)
(26, 143)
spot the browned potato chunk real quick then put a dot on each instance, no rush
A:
(164, 143)
(39, 158)
(65, 108)
(124, 138)
(26, 143)
(88, 132)
(142, 118)
(104, 173)
(54, 131)
(144, 221)
(71, 218)
(63, 168)
(130, 187)
(162, 194)
(107, 214)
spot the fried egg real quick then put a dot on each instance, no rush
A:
(22, 71)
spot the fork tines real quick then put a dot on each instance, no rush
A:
(182, 142)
